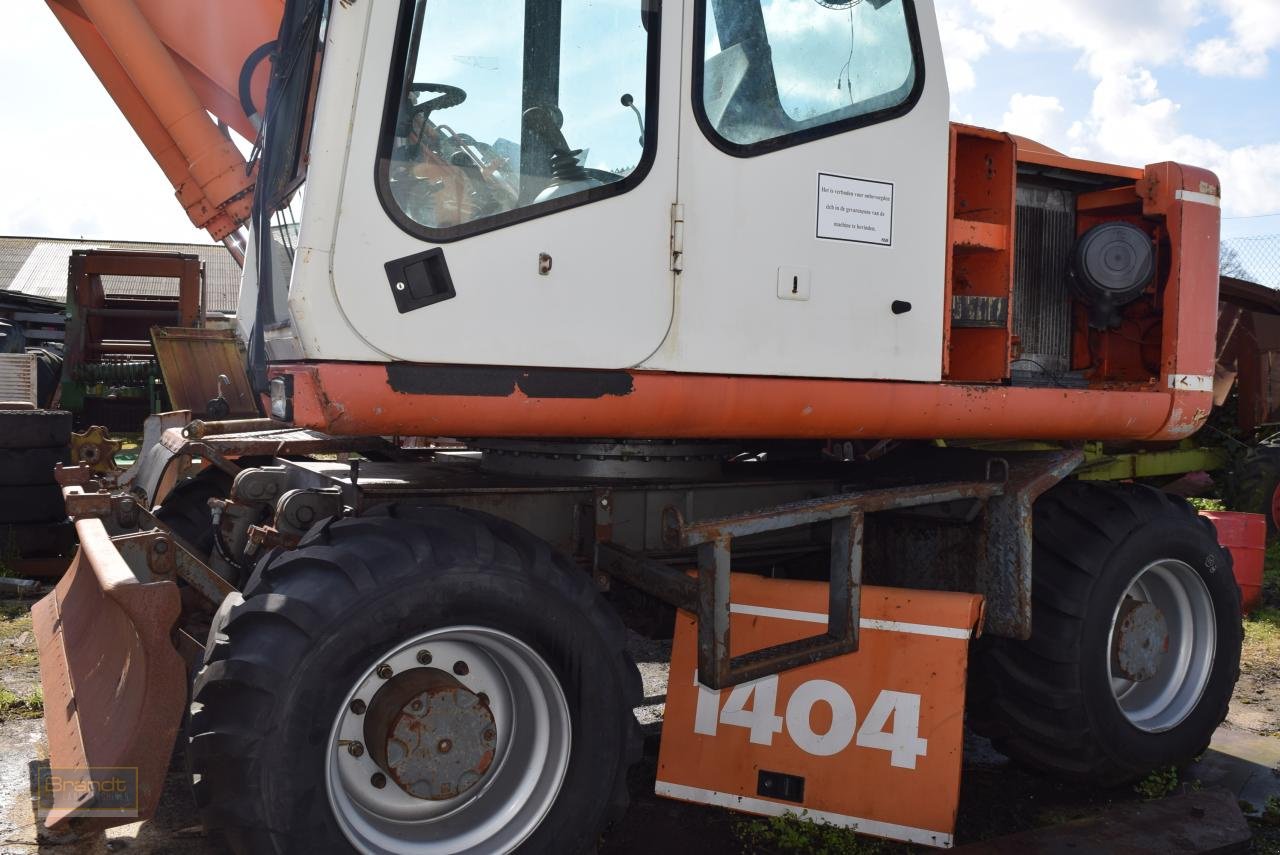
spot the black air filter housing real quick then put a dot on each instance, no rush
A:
(1111, 266)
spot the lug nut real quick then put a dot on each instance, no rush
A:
(355, 749)
(484, 699)
(358, 706)
(379, 780)
(460, 668)
(424, 657)
(416, 706)
(385, 672)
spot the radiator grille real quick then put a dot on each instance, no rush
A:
(1044, 239)
(18, 377)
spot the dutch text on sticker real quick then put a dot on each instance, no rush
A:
(856, 210)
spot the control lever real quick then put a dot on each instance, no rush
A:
(628, 101)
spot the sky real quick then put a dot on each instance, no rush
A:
(1134, 82)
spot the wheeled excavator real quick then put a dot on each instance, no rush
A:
(577, 318)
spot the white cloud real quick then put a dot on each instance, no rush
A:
(1110, 36)
(1130, 121)
(1255, 31)
(1038, 117)
(962, 46)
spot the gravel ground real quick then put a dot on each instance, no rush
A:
(996, 797)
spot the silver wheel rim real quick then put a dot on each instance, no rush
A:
(498, 813)
(1164, 700)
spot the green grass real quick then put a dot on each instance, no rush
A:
(15, 619)
(1157, 785)
(13, 705)
(796, 833)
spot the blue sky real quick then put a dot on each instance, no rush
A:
(1131, 81)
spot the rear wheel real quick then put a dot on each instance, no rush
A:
(428, 680)
(1135, 645)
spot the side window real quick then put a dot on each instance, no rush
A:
(775, 73)
(503, 110)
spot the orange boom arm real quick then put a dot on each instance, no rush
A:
(170, 65)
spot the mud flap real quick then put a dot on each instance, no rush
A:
(870, 740)
(114, 688)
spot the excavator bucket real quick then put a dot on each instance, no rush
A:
(114, 688)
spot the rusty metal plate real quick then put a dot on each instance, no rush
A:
(114, 687)
(190, 362)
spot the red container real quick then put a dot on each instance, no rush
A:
(1245, 536)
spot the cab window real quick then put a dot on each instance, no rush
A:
(773, 73)
(503, 110)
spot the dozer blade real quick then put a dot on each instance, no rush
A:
(114, 688)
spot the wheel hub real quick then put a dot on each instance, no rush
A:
(1140, 641)
(454, 741)
(441, 743)
(1162, 645)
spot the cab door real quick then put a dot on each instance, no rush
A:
(813, 182)
(508, 186)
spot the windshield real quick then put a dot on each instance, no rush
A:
(772, 68)
(512, 103)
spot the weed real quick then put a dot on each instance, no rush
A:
(797, 833)
(1207, 504)
(13, 705)
(1271, 811)
(1158, 784)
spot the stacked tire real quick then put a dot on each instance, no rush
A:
(32, 443)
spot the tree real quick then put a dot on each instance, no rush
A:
(1231, 264)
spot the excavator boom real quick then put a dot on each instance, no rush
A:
(183, 72)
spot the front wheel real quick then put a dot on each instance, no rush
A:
(1135, 645)
(425, 681)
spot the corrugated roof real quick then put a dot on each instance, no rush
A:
(38, 266)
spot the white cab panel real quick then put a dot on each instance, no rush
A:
(752, 222)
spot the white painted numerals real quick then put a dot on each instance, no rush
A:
(892, 724)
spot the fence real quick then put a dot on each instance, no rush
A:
(1256, 259)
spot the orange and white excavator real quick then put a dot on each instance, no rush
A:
(708, 310)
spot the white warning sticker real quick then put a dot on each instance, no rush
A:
(855, 209)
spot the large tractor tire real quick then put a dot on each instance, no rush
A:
(424, 680)
(1253, 484)
(34, 428)
(186, 509)
(1135, 645)
(21, 467)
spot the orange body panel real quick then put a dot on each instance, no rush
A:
(357, 399)
(980, 232)
(894, 776)
(1030, 151)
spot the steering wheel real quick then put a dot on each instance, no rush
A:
(448, 96)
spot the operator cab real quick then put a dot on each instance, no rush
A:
(743, 187)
